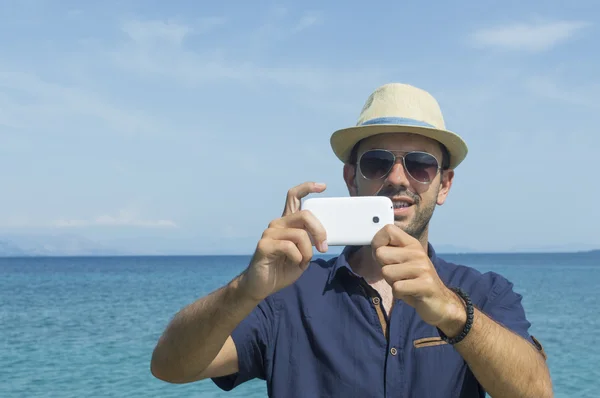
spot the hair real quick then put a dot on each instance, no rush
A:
(353, 159)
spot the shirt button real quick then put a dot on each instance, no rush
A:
(393, 351)
(376, 300)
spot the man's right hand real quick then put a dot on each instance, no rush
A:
(197, 343)
(285, 248)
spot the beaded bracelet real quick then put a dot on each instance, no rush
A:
(469, 322)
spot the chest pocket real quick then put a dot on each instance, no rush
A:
(428, 342)
(437, 368)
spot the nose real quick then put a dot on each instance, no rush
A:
(398, 175)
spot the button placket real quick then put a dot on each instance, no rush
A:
(372, 296)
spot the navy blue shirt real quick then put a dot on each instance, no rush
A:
(325, 336)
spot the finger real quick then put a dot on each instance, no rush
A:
(298, 236)
(383, 237)
(289, 250)
(304, 219)
(404, 271)
(385, 255)
(410, 288)
(295, 195)
(391, 235)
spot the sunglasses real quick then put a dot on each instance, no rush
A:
(375, 164)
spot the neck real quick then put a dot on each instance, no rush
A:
(363, 262)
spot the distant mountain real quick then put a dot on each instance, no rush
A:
(28, 245)
(451, 249)
(9, 249)
(53, 245)
(565, 248)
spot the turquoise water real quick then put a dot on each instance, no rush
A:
(86, 327)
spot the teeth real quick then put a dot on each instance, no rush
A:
(399, 205)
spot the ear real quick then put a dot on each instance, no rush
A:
(350, 179)
(445, 185)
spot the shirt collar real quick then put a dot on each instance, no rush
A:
(341, 262)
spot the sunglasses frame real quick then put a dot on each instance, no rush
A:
(396, 160)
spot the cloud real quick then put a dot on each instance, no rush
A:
(168, 32)
(532, 37)
(151, 31)
(308, 21)
(154, 49)
(548, 88)
(29, 102)
(124, 218)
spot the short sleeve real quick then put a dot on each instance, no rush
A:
(251, 337)
(504, 305)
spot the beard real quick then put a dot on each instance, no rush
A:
(423, 211)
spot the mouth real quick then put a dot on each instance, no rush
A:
(402, 205)
(402, 202)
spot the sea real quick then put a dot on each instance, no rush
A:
(86, 326)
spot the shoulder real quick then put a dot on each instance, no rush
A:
(493, 294)
(485, 288)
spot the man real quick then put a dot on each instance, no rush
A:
(388, 320)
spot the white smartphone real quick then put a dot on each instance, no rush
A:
(353, 220)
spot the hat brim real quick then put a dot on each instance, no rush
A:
(343, 140)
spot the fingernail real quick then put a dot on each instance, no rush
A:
(319, 185)
(324, 246)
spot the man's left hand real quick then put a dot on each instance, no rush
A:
(414, 280)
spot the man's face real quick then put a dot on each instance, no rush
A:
(414, 201)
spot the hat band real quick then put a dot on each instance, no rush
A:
(397, 120)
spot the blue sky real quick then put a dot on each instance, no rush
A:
(151, 125)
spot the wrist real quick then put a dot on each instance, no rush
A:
(242, 291)
(459, 320)
(456, 317)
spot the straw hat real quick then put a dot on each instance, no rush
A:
(399, 108)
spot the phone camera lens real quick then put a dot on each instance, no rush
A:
(375, 219)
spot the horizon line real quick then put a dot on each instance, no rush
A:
(441, 253)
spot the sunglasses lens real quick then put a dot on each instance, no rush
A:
(376, 164)
(422, 167)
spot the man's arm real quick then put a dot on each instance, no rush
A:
(504, 363)
(197, 342)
